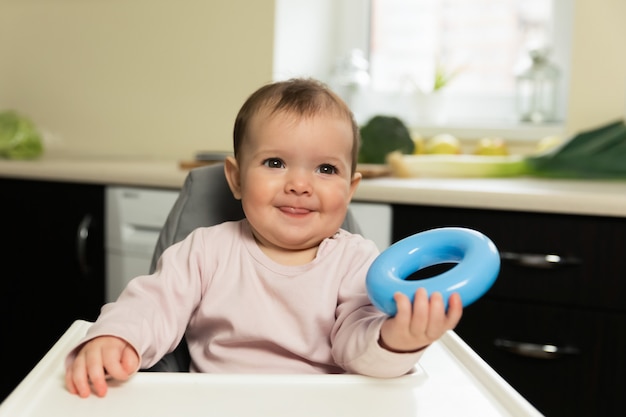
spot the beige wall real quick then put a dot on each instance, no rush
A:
(164, 79)
(598, 74)
(161, 79)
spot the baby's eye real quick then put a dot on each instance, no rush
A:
(274, 163)
(327, 169)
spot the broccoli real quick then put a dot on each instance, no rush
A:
(382, 135)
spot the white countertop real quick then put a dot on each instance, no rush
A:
(131, 172)
(604, 198)
(450, 380)
(587, 197)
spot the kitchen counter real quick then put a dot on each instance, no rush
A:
(141, 173)
(586, 197)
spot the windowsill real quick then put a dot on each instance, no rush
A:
(464, 117)
(511, 131)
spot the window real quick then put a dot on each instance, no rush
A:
(480, 41)
(482, 44)
(470, 50)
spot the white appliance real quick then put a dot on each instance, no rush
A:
(135, 216)
(375, 220)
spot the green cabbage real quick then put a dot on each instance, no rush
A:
(19, 138)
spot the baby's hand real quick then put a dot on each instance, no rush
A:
(417, 326)
(102, 358)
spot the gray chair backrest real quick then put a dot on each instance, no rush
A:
(204, 200)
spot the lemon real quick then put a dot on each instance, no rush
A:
(491, 146)
(443, 143)
(418, 141)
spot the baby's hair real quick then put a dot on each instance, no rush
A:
(304, 97)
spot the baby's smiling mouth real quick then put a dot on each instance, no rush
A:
(294, 210)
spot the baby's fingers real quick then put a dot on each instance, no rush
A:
(73, 382)
(77, 378)
(440, 320)
(455, 311)
(420, 312)
(121, 365)
(403, 309)
(96, 374)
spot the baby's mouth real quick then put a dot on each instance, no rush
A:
(295, 210)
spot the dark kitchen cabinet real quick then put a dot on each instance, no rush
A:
(52, 250)
(554, 323)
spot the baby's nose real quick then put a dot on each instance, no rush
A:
(298, 183)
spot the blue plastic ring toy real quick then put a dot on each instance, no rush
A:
(477, 258)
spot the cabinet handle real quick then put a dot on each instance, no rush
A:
(541, 261)
(535, 350)
(82, 234)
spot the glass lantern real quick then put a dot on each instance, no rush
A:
(537, 89)
(350, 76)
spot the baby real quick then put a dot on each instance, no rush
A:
(281, 291)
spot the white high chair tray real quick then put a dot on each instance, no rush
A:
(450, 380)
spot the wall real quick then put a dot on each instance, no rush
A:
(597, 90)
(311, 35)
(304, 38)
(160, 79)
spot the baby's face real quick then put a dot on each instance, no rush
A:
(295, 179)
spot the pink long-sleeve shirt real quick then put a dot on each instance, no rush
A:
(241, 312)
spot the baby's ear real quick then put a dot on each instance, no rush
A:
(231, 171)
(354, 183)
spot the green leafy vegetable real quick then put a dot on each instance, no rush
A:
(382, 135)
(597, 153)
(19, 138)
